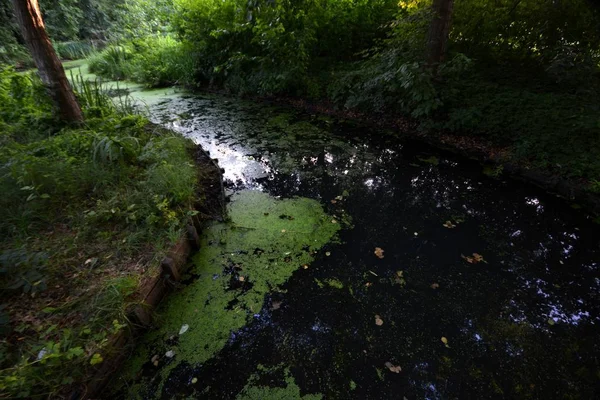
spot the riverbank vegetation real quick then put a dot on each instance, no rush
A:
(85, 214)
(520, 75)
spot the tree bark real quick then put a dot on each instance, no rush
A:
(439, 29)
(29, 18)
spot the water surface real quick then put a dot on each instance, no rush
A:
(487, 289)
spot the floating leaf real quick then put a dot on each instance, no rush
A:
(476, 258)
(194, 381)
(551, 321)
(435, 285)
(378, 320)
(369, 284)
(394, 368)
(449, 225)
(184, 329)
(328, 253)
(379, 252)
(241, 278)
(469, 259)
(399, 278)
(433, 160)
(275, 305)
(445, 341)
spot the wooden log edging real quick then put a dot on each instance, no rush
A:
(152, 292)
(173, 266)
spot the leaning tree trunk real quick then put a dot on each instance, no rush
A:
(49, 66)
(439, 29)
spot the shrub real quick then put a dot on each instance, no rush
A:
(74, 50)
(113, 62)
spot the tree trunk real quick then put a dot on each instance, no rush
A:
(439, 29)
(49, 66)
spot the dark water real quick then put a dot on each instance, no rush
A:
(522, 324)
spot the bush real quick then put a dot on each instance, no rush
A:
(161, 61)
(113, 62)
(74, 50)
(155, 60)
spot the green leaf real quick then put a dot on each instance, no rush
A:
(96, 359)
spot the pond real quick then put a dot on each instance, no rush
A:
(359, 266)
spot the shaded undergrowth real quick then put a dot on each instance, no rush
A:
(85, 213)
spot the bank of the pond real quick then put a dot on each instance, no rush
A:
(89, 218)
(498, 159)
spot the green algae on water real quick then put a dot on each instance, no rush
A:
(291, 391)
(240, 261)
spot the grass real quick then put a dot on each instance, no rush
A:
(86, 213)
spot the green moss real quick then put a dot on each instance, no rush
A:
(334, 283)
(239, 262)
(289, 392)
(281, 120)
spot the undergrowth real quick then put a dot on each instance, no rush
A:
(157, 61)
(84, 214)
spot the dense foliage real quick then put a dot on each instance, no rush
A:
(88, 206)
(521, 74)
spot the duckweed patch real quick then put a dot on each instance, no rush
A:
(253, 391)
(239, 262)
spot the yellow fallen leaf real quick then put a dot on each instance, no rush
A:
(445, 341)
(379, 252)
(378, 320)
(394, 368)
(477, 257)
(467, 259)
